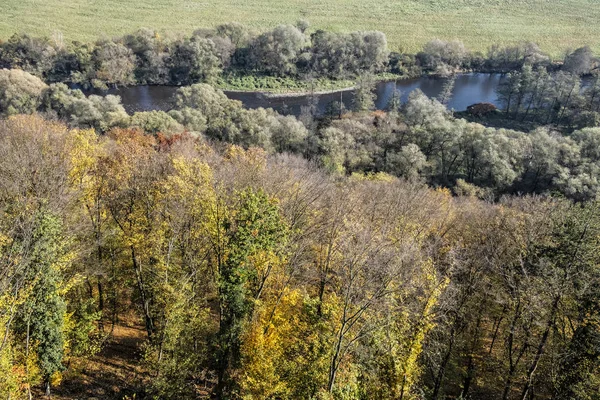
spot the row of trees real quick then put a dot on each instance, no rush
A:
(560, 98)
(446, 57)
(420, 139)
(262, 277)
(147, 57)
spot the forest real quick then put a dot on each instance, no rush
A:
(418, 139)
(258, 275)
(408, 253)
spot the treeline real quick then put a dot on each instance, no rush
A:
(260, 276)
(560, 98)
(418, 140)
(232, 52)
(145, 57)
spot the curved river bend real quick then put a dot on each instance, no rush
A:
(468, 89)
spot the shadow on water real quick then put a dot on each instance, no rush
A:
(468, 89)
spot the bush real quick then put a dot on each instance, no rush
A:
(20, 92)
(155, 122)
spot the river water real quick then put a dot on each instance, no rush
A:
(468, 89)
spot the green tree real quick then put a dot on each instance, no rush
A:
(255, 227)
(150, 53)
(277, 52)
(443, 57)
(446, 93)
(193, 60)
(580, 61)
(20, 92)
(33, 55)
(364, 96)
(155, 122)
(46, 310)
(287, 134)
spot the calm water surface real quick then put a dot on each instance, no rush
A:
(469, 89)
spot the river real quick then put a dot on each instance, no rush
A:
(468, 89)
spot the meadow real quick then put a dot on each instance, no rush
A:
(556, 25)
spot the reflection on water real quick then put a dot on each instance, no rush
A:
(468, 89)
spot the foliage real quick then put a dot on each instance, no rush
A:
(258, 275)
(155, 122)
(277, 52)
(255, 233)
(20, 92)
(192, 61)
(45, 312)
(115, 63)
(443, 57)
(336, 55)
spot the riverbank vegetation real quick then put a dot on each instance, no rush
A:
(230, 55)
(288, 58)
(418, 139)
(408, 24)
(260, 276)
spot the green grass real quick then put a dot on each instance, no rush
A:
(555, 24)
(273, 84)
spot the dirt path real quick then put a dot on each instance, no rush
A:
(112, 374)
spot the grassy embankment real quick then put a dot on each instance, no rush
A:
(555, 24)
(289, 85)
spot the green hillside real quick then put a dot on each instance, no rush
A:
(554, 24)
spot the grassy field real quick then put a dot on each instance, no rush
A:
(555, 24)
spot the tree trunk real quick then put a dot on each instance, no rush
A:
(442, 370)
(531, 101)
(540, 349)
(333, 368)
(508, 105)
(508, 383)
(27, 360)
(100, 305)
(513, 363)
(471, 359)
(564, 107)
(143, 295)
(496, 328)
